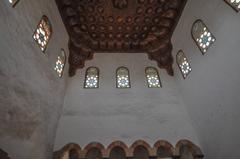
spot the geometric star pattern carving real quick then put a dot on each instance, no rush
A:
(120, 26)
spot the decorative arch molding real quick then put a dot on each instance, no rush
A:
(168, 148)
(161, 149)
(64, 152)
(194, 149)
(141, 143)
(117, 144)
(94, 145)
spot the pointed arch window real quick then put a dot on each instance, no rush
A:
(153, 79)
(92, 78)
(202, 36)
(235, 4)
(123, 77)
(60, 63)
(183, 64)
(43, 33)
(13, 2)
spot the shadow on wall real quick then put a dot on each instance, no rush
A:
(3, 155)
(184, 149)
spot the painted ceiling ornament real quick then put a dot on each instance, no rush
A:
(120, 4)
(114, 26)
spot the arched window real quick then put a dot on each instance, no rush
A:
(153, 79)
(123, 79)
(235, 4)
(43, 33)
(13, 2)
(60, 63)
(91, 78)
(202, 36)
(183, 64)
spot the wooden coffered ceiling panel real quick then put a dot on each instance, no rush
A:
(120, 26)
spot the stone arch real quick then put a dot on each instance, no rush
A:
(117, 150)
(165, 148)
(194, 149)
(141, 143)
(117, 144)
(94, 150)
(94, 145)
(70, 150)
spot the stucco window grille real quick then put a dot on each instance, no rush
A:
(123, 78)
(60, 63)
(92, 78)
(43, 33)
(235, 4)
(13, 2)
(152, 76)
(183, 64)
(202, 36)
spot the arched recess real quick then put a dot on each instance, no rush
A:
(164, 149)
(141, 150)
(118, 144)
(188, 149)
(94, 150)
(117, 152)
(69, 151)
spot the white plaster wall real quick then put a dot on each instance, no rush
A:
(107, 114)
(31, 94)
(211, 92)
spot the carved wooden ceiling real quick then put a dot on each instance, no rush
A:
(120, 26)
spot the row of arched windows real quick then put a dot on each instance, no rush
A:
(122, 77)
(203, 39)
(200, 34)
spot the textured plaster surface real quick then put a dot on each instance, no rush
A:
(211, 92)
(107, 114)
(31, 93)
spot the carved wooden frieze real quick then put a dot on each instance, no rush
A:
(126, 26)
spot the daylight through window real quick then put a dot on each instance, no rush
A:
(43, 33)
(153, 79)
(202, 36)
(60, 63)
(91, 78)
(123, 79)
(183, 64)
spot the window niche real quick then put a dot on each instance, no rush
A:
(123, 78)
(235, 4)
(202, 36)
(43, 33)
(60, 63)
(91, 78)
(153, 78)
(183, 64)
(13, 2)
